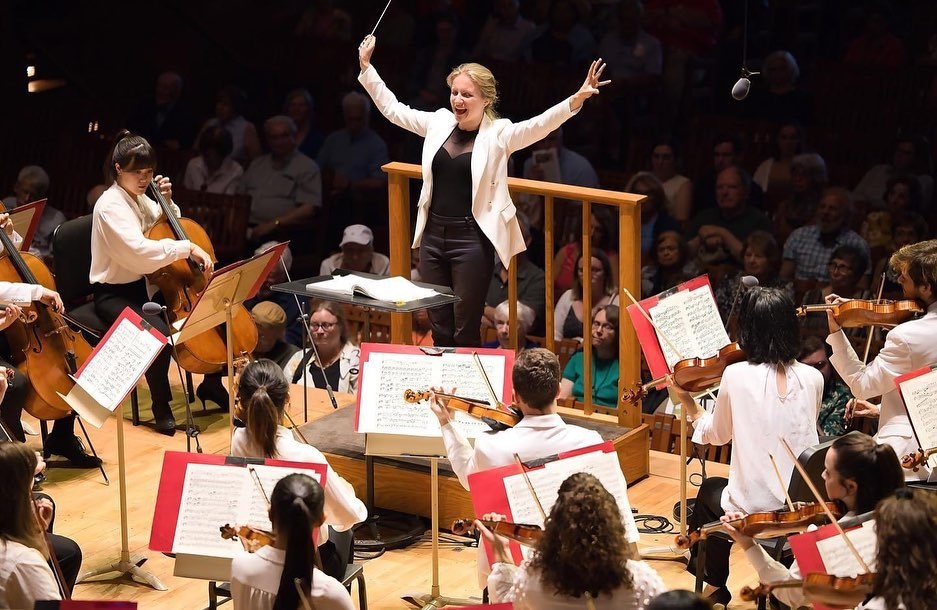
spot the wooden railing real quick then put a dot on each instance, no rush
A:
(629, 271)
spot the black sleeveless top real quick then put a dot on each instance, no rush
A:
(452, 175)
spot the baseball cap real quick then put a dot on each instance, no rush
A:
(269, 313)
(357, 234)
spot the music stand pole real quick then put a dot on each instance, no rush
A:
(126, 564)
(229, 351)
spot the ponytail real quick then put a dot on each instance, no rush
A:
(875, 468)
(130, 152)
(296, 506)
(264, 391)
(263, 417)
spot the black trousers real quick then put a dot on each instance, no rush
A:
(708, 508)
(11, 408)
(109, 301)
(454, 252)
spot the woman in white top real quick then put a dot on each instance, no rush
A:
(678, 188)
(768, 397)
(582, 554)
(338, 356)
(858, 473)
(263, 395)
(269, 578)
(568, 316)
(121, 254)
(25, 577)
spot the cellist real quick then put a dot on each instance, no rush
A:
(121, 254)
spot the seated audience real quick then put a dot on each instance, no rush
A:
(727, 152)
(504, 33)
(287, 302)
(214, 170)
(677, 187)
(632, 54)
(670, 264)
(905, 229)
(433, 61)
(338, 357)
(563, 40)
(876, 46)
(229, 104)
(847, 267)
(531, 287)
(779, 98)
(502, 323)
(322, 22)
(355, 153)
(32, 184)
(567, 318)
(831, 420)
(274, 575)
(300, 107)
(548, 153)
(654, 217)
(165, 121)
(775, 174)
(564, 569)
(604, 362)
(902, 196)
(603, 232)
(761, 258)
(911, 156)
(808, 181)
(271, 329)
(357, 254)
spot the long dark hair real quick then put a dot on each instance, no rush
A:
(582, 549)
(768, 329)
(263, 393)
(906, 556)
(17, 513)
(130, 151)
(295, 509)
(875, 468)
(606, 270)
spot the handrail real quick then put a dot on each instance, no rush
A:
(629, 271)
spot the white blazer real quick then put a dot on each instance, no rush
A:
(496, 140)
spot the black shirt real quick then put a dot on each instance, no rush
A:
(452, 175)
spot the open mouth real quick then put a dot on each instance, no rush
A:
(460, 112)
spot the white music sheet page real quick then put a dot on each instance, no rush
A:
(689, 319)
(920, 399)
(839, 560)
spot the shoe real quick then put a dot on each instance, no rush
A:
(27, 429)
(214, 392)
(165, 422)
(72, 449)
(722, 595)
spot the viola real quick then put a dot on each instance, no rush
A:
(497, 419)
(859, 313)
(521, 533)
(825, 589)
(251, 538)
(914, 461)
(181, 282)
(692, 374)
(768, 524)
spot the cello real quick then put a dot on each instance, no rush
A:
(181, 282)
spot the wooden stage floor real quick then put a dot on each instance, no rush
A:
(88, 511)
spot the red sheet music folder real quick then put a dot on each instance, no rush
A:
(804, 547)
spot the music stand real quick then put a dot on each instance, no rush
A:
(227, 288)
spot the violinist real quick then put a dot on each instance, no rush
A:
(580, 555)
(267, 579)
(770, 395)
(121, 254)
(263, 394)
(906, 555)
(857, 474)
(908, 346)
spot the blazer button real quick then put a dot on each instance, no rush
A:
(489, 205)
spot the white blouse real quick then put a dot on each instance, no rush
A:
(25, 577)
(255, 579)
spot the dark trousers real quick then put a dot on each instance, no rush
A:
(454, 252)
(109, 301)
(11, 408)
(708, 508)
(66, 550)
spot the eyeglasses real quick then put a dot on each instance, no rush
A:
(603, 325)
(593, 270)
(326, 326)
(839, 267)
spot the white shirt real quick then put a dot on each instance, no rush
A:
(524, 587)
(750, 413)
(380, 264)
(908, 347)
(19, 293)
(225, 180)
(255, 580)
(343, 509)
(24, 576)
(120, 251)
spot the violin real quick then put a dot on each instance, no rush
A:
(914, 461)
(768, 524)
(181, 282)
(251, 538)
(692, 374)
(859, 313)
(497, 419)
(825, 589)
(522, 533)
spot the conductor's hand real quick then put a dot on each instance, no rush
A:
(746, 542)
(498, 546)
(590, 86)
(165, 186)
(202, 258)
(9, 314)
(443, 413)
(833, 299)
(365, 49)
(52, 299)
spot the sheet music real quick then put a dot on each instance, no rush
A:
(920, 399)
(254, 510)
(690, 321)
(386, 375)
(118, 364)
(839, 560)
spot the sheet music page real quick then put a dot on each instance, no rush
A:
(254, 509)
(690, 321)
(839, 560)
(211, 497)
(116, 367)
(546, 482)
(920, 398)
(705, 321)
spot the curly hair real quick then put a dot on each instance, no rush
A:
(906, 556)
(583, 546)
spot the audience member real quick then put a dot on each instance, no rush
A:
(902, 197)
(32, 184)
(502, 324)
(679, 188)
(322, 22)
(775, 174)
(286, 301)
(761, 258)
(357, 254)
(847, 267)
(779, 99)
(214, 170)
(338, 357)
(716, 235)
(229, 106)
(165, 122)
(549, 155)
(632, 54)
(807, 250)
(433, 63)
(905, 229)
(877, 46)
(603, 228)
(727, 152)
(670, 264)
(604, 362)
(531, 285)
(563, 40)
(831, 420)
(504, 33)
(300, 107)
(912, 156)
(94, 193)
(808, 180)
(654, 217)
(271, 330)
(568, 315)
(285, 185)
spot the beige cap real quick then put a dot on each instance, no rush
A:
(269, 313)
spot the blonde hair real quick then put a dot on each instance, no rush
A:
(484, 80)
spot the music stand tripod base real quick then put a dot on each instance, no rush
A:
(121, 567)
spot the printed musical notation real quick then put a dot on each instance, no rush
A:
(690, 321)
(839, 560)
(920, 398)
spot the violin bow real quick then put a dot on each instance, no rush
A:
(871, 332)
(530, 487)
(495, 403)
(260, 485)
(295, 427)
(826, 509)
(777, 473)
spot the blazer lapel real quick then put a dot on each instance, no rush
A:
(435, 138)
(480, 157)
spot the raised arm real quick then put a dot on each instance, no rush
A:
(394, 111)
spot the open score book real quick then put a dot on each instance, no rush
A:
(395, 289)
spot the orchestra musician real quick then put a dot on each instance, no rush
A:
(466, 215)
(121, 254)
(858, 473)
(766, 397)
(908, 346)
(579, 555)
(263, 394)
(269, 578)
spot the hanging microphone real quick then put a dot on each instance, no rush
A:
(749, 281)
(743, 85)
